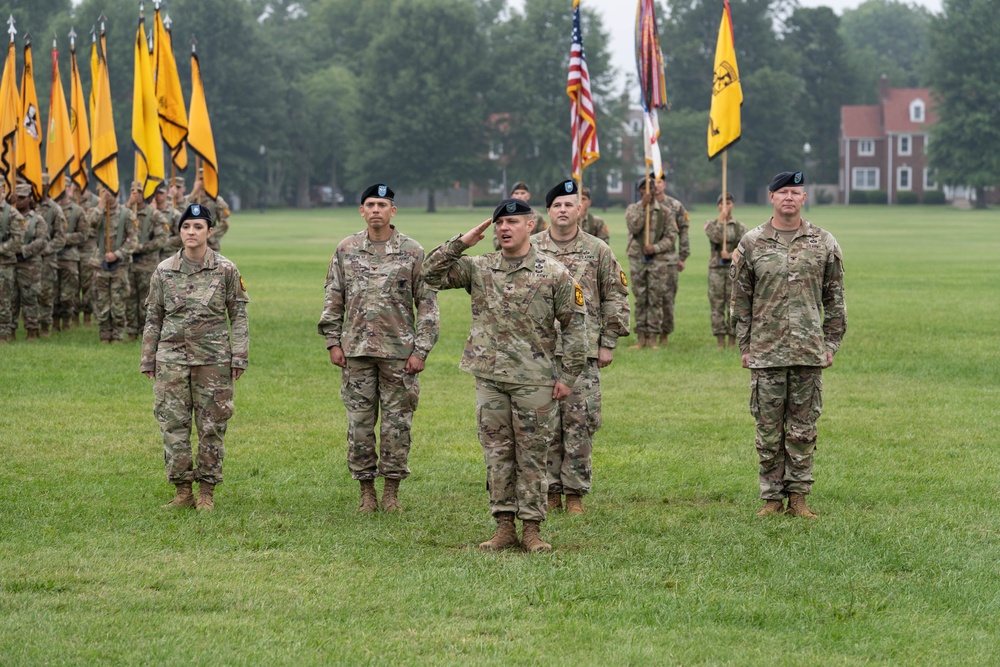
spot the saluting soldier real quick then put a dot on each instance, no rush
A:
(521, 301)
(380, 322)
(595, 269)
(195, 297)
(55, 220)
(217, 208)
(11, 239)
(723, 234)
(77, 231)
(115, 228)
(590, 223)
(788, 305)
(28, 271)
(152, 235)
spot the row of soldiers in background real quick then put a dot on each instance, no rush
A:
(87, 255)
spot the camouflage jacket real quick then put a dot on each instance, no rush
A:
(713, 230)
(595, 269)
(371, 299)
(152, 235)
(788, 300)
(55, 220)
(76, 232)
(596, 226)
(541, 223)
(514, 314)
(88, 202)
(36, 237)
(11, 233)
(668, 230)
(186, 314)
(123, 234)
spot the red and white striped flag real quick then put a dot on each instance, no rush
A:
(583, 123)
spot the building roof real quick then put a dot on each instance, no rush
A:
(897, 110)
(861, 122)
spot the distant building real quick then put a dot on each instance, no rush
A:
(883, 147)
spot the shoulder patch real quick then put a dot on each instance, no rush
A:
(623, 279)
(243, 285)
(737, 255)
(578, 294)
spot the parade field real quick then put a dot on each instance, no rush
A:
(668, 566)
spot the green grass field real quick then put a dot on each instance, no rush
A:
(669, 565)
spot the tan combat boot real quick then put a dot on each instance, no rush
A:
(390, 496)
(772, 507)
(663, 339)
(797, 506)
(555, 501)
(506, 535)
(32, 334)
(640, 342)
(720, 341)
(531, 538)
(369, 499)
(574, 503)
(205, 493)
(184, 497)
(44, 330)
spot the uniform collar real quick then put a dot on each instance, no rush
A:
(209, 262)
(499, 261)
(805, 229)
(391, 244)
(546, 242)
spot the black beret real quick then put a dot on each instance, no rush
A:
(786, 178)
(561, 190)
(379, 190)
(520, 185)
(196, 211)
(729, 197)
(511, 207)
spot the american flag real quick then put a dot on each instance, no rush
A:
(582, 122)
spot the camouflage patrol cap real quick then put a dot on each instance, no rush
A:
(161, 189)
(511, 207)
(179, 181)
(585, 193)
(568, 187)
(379, 191)
(786, 178)
(23, 189)
(196, 212)
(729, 197)
(520, 185)
(136, 186)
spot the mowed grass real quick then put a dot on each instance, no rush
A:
(669, 565)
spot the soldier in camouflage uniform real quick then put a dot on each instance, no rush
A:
(218, 208)
(788, 306)
(653, 266)
(380, 322)
(28, 272)
(605, 290)
(521, 300)
(723, 234)
(55, 220)
(77, 231)
(591, 223)
(195, 296)
(88, 201)
(680, 221)
(115, 223)
(12, 227)
(151, 237)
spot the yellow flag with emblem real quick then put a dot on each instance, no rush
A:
(59, 146)
(200, 130)
(29, 131)
(78, 121)
(169, 99)
(104, 150)
(727, 92)
(9, 112)
(145, 122)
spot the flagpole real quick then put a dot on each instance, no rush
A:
(725, 156)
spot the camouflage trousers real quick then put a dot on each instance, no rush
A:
(87, 273)
(207, 393)
(7, 289)
(108, 299)
(669, 296)
(720, 287)
(135, 305)
(50, 285)
(69, 288)
(649, 289)
(369, 386)
(568, 463)
(786, 402)
(516, 426)
(28, 288)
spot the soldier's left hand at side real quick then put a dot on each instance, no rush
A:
(237, 372)
(605, 355)
(560, 391)
(414, 365)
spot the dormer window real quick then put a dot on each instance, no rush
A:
(917, 111)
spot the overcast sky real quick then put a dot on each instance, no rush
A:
(619, 20)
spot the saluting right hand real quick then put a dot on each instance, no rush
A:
(476, 234)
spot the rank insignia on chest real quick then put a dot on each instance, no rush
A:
(578, 294)
(623, 278)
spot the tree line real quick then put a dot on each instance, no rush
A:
(429, 93)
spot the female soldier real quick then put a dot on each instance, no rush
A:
(186, 349)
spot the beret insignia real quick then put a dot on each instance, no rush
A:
(196, 210)
(381, 190)
(798, 177)
(511, 207)
(568, 186)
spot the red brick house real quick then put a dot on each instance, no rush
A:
(883, 147)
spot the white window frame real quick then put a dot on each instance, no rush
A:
(866, 147)
(909, 179)
(918, 111)
(857, 171)
(908, 140)
(614, 181)
(929, 182)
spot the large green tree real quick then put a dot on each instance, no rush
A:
(887, 37)
(965, 145)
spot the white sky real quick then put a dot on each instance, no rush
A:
(619, 20)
